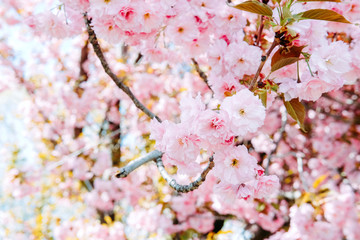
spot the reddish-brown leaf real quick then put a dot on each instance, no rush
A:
(297, 111)
(283, 57)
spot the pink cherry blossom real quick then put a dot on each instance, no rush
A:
(212, 129)
(216, 55)
(182, 30)
(267, 186)
(202, 222)
(242, 58)
(224, 86)
(311, 89)
(331, 61)
(289, 87)
(246, 112)
(191, 108)
(244, 192)
(50, 24)
(103, 162)
(235, 165)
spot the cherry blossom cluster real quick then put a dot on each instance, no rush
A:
(215, 131)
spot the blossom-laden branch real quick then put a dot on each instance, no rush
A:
(119, 82)
(263, 61)
(201, 73)
(125, 171)
(184, 188)
(156, 155)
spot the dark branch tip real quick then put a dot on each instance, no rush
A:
(121, 173)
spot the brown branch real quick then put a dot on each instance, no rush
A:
(116, 139)
(184, 188)
(119, 82)
(263, 60)
(83, 77)
(139, 57)
(261, 27)
(201, 73)
(83, 58)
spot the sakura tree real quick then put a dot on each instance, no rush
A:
(186, 119)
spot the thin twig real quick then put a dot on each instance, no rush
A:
(201, 73)
(261, 27)
(263, 60)
(184, 188)
(281, 132)
(115, 140)
(139, 57)
(301, 172)
(326, 95)
(125, 171)
(102, 126)
(119, 82)
(76, 153)
(83, 75)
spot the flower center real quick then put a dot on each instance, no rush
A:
(146, 16)
(180, 29)
(242, 112)
(126, 13)
(328, 61)
(234, 163)
(229, 91)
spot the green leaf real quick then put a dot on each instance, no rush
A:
(263, 96)
(323, 14)
(286, 13)
(255, 7)
(297, 111)
(319, 0)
